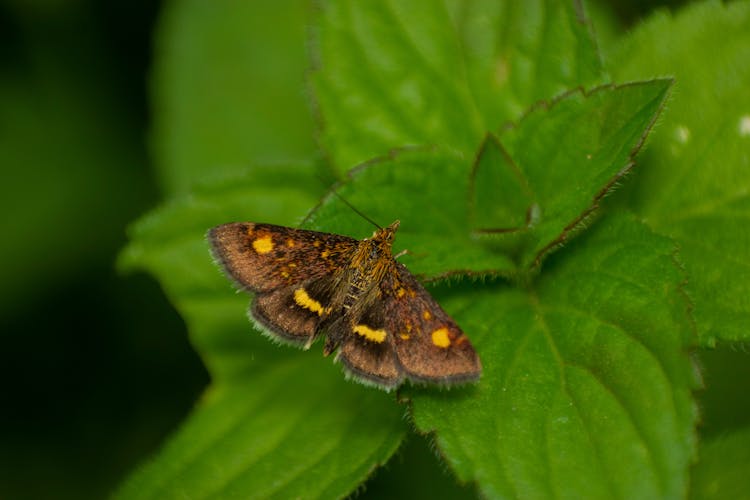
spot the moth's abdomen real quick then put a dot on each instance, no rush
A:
(352, 296)
(366, 272)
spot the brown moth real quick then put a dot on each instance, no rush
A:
(383, 322)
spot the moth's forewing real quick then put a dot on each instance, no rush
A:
(428, 344)
(264, 257)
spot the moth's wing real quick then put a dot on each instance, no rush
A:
(264, 257)
(365, 347)
(291, 271)
(429, 345)
(294, 313)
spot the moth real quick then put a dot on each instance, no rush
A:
(383, 324)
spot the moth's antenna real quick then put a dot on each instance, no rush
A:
(357, 211)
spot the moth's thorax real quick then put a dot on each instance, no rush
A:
(374, 252)
(371, 262)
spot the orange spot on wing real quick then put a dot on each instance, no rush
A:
(263, 244)
(441, 338)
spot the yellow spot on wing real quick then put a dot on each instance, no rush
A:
(404, 336)
(304, 300)
(426, 314)
(440, 337)
(370, 334)
(325, 254)
(401, 292)
(264, 244)
(290, 243)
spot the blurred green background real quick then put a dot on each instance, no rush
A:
(96, 366)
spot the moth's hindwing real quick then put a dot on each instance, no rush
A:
(366, 348)
(428, 345)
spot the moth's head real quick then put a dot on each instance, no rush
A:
(384, 236)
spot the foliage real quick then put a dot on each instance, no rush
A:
(496, 135)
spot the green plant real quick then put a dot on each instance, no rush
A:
(584, 308)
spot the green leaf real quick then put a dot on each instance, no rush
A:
(390, 74)
(725, 400)
(586, 385)
(427, 190)
(721, 471)
(285, 429)
(570, 153)
(271, 412)
(562, 158)
(228, 88)
(393, 74)
(520, 52)
(694, 184)
(416, 472)
(501, 199)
